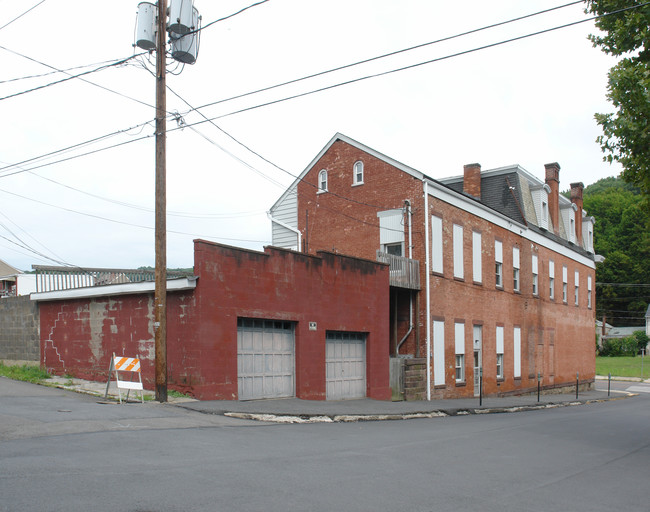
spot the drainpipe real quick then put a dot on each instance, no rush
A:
(410, 218)
(428, 284)
(290, 228)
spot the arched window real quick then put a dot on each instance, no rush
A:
(322, 181)
(358, 173)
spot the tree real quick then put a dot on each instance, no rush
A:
(621, 235)
(626, 132)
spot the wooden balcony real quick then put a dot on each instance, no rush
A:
(404, 272)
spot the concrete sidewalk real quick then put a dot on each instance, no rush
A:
(295, 410)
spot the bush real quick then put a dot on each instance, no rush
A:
(641, 339)
(616, 347)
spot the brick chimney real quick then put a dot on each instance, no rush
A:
(472, 180)
(553, 181)
(576, 198)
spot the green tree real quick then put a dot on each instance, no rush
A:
(622, 236)
(626, 132)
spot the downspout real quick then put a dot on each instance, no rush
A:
(410, 218)
(428, 284)
(290, 228)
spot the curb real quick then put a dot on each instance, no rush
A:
(441, 413)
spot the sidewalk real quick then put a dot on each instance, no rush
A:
(295, 410)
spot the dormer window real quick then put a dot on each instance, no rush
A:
(358, 173)
(322, 181)
(544, 215)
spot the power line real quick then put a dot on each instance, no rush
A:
(370, 76)
(55, 70)
(226, 17)
(412, 66)
(626, 285)
(115, 221)
(21, 15)
(390, 54)
(100, 68)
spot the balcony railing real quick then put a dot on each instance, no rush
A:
(404, 272)
(49, 278)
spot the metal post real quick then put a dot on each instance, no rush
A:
(480, 387)
(539, 380)
(160, 293)
(577, 383)
(609, 383)
(642, 354)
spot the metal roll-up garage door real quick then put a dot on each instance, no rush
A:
(345, 360)
(265, 359)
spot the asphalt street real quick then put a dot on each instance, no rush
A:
(65, 451)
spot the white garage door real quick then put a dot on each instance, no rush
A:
(265, 359)
(345, 360)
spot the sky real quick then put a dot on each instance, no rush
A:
(67, 198)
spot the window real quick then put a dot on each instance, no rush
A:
(589, 292)
(477, 260)
(551, 280)
(458, 251)
(564, 284)
(544, 215)
(436, 235)
(393, 249)
(515, 268)
(438, 353)
(391, 231)
(322, 181)
(535, 276)
(358, 173)
(516, 351)
(572, 233)
(577, 287)
(459, 338)
(498, 260)
(499, 352)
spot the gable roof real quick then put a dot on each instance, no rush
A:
(344, 138)
(7, 270)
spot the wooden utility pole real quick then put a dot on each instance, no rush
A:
(160, 294)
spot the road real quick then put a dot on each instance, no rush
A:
(61, 451)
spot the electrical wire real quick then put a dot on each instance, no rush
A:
(124, 223)
(21, 15)
(71, 77)
(55, 70)
(390, 54)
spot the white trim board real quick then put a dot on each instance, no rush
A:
(185, 283)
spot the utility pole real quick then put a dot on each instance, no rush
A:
(160, 292)
(151, 34)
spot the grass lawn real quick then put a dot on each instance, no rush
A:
(623, 366)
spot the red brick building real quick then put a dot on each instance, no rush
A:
(491, 272)
(248, 325)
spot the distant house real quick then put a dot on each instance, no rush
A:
(14, 282)
(647, 321)
(492, 272)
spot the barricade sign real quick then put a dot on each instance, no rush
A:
(125, 364)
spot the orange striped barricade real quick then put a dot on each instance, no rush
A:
(125, 364)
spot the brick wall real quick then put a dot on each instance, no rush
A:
(19, 333)
(337, 293)
(556, 338)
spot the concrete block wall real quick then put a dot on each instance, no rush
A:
(19, 329)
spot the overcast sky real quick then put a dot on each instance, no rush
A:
(527, 102)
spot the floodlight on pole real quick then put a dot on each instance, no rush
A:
(151, 31)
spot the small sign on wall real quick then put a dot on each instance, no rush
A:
(312, 326)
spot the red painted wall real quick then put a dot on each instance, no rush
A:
(337, 292)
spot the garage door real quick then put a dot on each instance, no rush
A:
(345, 360)
(265, 359)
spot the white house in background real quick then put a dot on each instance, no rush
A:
(647, 321)
(15, 282)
